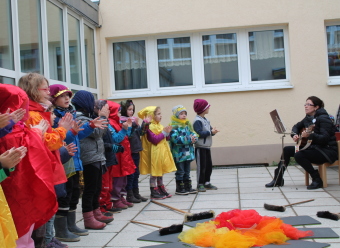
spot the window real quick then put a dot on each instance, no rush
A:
(7, 80)
(56, 49)
(30, 36)
(74, 50)
(230, 60)
(333, 50)
(220, 58)
(6, 43)
(267, 60)
(90, 61)
(130, 65)
(174, 62)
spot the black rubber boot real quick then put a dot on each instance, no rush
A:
(71, 224)
(317, 181)
(131, 197)
(188, 187)
(138, 196)
(61, 231)
(180, 190)
(155, 194)
(278, 180)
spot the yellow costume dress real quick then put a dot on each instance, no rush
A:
(155, 160)
(8, 233)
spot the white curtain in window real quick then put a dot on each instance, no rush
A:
(335, 45)
(129, 55)
(264, 46)
(220, 52)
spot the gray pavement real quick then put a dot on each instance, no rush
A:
(241, 188)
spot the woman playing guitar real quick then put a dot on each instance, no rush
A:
(322, 148)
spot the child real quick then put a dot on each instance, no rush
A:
(65, 225)
(182, 138)
(202, 146)
(156, 158)
(125, 164)
(35, 196)
(93, 158)
(127, 111)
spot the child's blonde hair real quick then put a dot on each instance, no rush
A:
(30, 84)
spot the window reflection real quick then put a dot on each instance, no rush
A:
(30, 36)
(90, 57)
(267, 57)
(220, 58)
(7, 80)
(174, 62)
(6, 42)
(333, 47)
(56, 51)
(74, 50)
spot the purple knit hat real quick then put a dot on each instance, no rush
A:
(58, 89)
(200, 105)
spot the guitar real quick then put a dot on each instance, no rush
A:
(303, 142)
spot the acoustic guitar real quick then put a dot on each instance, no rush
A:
(303, 142)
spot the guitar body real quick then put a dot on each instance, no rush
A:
(303, 142)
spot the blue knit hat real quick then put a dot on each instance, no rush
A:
(84, 100)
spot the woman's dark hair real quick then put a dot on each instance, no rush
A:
(316, 101)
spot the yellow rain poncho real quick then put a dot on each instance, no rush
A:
(8, 233)
(155, 160)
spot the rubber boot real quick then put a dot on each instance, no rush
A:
(278, 177)
(129, 204)
(163, 191)
(71, 224)
(91, 223)
(131, 197)
(180, 190)
(316, 181)
(98, 215)
(61, 231)
(188, 187)
(138, 196)
(155, 194)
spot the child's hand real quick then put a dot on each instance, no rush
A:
(10, 158)
(76, 126)
(66, 122)
(100, 123)
(167, 129)
(125, 125)
(104, 111)
(147, 119)
(129, 122)
(137, 121)
(43, 126)
(23, 150)
(71, 149)
(17, 115)
(193, 139)
(214, 131)
(4, 119)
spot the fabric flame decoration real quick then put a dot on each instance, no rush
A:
(241, 229)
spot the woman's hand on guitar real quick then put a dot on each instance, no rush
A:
(305, 134)
(296, 138)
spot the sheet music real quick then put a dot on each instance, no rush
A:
(279, 126)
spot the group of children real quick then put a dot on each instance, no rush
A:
(47, 144)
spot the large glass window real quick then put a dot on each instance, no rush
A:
(7, 80)
(130, 65)
(6, 42)
(174, 62)
(220, 58)
(333, 48)
(267, 56)
(30, 36)
(90, 57)
(74, 50)
(56, 52)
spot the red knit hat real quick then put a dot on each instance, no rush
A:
(58, 89)
(200, 105)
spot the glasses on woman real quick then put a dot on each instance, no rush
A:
(46, 89)
(308, 104)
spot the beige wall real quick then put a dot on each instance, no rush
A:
(246, 130)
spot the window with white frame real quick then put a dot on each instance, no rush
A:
(50, 38)
(233, 60)
(333, 50)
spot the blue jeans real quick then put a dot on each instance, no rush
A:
(49, 230)
(183, 171)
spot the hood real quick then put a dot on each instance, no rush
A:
(113, 116)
